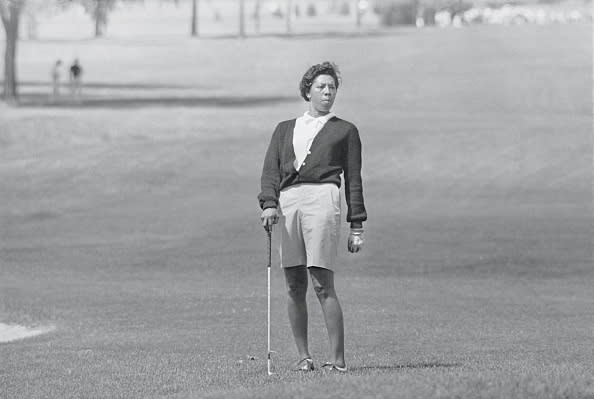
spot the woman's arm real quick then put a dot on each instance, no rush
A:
(271, 176)
(356, 213)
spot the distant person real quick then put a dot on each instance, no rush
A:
(300, 185)
(55, 73)
(76, 79)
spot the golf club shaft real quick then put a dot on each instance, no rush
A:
(269, 361)
(269, 241)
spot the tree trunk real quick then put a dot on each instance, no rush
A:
(257, 16)
(194, 18)
(100, 17)
(358, 13)
(12, 36)
(241, 18)
(31, 26)
(98, 32)
(289, 11)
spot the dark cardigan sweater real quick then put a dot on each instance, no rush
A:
(335, 149)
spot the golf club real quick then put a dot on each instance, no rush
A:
(269, 242)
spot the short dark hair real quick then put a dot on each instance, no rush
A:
(325, 68)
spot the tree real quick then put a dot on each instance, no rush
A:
(194, 24)
(257, 16)
(34, 8)
(241, 18)
(99, 9)
(288, 17)
(10, 12)
(358, 13)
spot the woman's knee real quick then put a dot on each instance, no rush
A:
(297, 290)
(296, 282)
(323, 282)
(324, 291)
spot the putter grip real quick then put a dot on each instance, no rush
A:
(269, 242)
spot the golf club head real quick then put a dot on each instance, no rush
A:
(269, 363)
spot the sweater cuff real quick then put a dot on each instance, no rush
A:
(269, 204)
(356, 225)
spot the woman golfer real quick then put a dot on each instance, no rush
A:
(301, 180)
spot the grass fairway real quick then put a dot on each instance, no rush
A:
(129, 222)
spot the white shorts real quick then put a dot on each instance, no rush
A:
(310, 225)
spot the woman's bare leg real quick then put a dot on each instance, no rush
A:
(323, 283)
(296, 278)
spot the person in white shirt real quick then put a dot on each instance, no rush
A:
(55, 74)
(301, 192)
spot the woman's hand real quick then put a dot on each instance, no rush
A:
(356, 240)
(269, 217)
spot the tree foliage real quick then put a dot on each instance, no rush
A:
(99, 11)
(34, 8)
(10, 13)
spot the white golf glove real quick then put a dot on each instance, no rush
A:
(356, 239)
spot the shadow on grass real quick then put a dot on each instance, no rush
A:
(353, 33)
(424, 365)
(43, 101)
(99, 85)
(315, 35)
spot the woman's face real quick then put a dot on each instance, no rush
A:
(322, 94)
